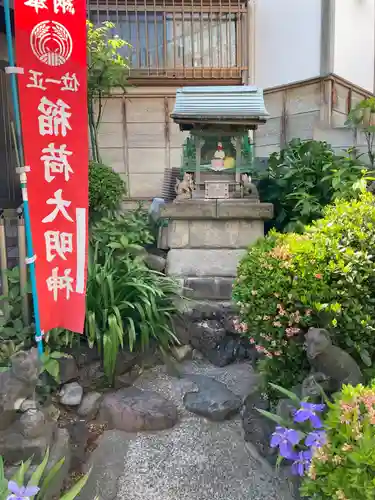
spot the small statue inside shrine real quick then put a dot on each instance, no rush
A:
(184, 189)
(217, 162)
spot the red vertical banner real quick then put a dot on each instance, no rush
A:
(50, 37)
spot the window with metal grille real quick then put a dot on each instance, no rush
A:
(168, 39)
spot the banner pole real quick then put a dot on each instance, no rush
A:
(30, 260)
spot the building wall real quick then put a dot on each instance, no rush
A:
(354, 42)
(287, 41)
(139, 140)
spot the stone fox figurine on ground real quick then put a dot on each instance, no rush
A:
(331, 361)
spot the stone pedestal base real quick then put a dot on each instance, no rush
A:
(207, 238)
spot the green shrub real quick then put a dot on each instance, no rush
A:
(133, 225)
(40, 484)
(305, 177)
(128, 305)
(344, 468)
(324, 277)
(106, 189)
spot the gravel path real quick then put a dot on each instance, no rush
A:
(195, 460)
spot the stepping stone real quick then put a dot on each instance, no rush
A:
(213, 399)
(133, 410)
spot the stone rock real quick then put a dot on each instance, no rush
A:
(32, 423)
(257, 428)
(84, 355)
(183, 352)
(91, 374)
(68, 369)
(133, 410)
(90, 404)
(15, 447)
(25, 366)
(52, 412)
(230, 350)
(60, 449)
(127, 379)
(213, 399)
(13, 391)
(107, 464)
(206, 335)
(125, 361)
(28, 404)
(71, 394)
(155, 262)
(79, 435)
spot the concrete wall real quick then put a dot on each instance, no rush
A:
(287, 45)
(354, 43)
(139, 140)
(295, 112)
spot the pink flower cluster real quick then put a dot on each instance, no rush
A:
(240, 326)
(292, 331)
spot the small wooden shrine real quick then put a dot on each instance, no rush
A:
(218, 154)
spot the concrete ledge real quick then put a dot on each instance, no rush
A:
(203, 262)
(243, 209)
(189, 209)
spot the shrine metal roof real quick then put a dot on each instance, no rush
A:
(229, 103)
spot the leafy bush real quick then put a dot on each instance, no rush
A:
(106, 189)
(40, 483)
(324, 277)
(127, 303)
(134, 226)
(14, 333)
(305, 177)
(344, 468)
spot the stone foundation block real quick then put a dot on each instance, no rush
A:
(209, 288)
(203, 262)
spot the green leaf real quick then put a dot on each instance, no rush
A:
(19, 476)
(39, 471)
(365, 356)
(48, 480)
(76, 489)
(289, 394)
(271, 416)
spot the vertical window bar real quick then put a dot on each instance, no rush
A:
(165, 40)
(174, 37)
(210, 39)
(202, 39)
(156, 37)
(220, 38)
(183, 42)
(147, 45)
(228, 45)
(192, 39)
(138, 52)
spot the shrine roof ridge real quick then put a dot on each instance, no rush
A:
(235, 103)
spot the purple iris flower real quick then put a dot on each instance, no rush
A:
(316, 439)
(21, 492)
(302, 462)
(285, 439)
(308, 411)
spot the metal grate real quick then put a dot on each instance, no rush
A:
(168, 192)
(178, 38)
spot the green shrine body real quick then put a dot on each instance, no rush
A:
(218, 149)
